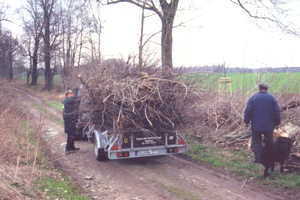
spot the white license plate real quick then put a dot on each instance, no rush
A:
(148, 152)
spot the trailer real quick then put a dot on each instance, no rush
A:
(133, 144)
(130, 144)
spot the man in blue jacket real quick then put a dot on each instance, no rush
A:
(264, 114)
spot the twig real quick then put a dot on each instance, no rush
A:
(17, 167)
(38, 136)
(243, 184)
(145, 111)
(293, 166)
(159, 93)
(27, 140)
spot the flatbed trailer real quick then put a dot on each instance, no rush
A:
(134, 144)
(130, 144)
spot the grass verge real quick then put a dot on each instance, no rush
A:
(56, 105)
(50, 115)
(25, 171)
(60, 189)
(179, 192)
(238, 162)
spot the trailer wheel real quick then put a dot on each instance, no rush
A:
(99, 152)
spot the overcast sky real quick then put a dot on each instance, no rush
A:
(216, 33)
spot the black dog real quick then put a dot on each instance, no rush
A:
(278, 152)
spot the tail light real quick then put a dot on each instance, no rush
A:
(181, 142)
(122, 154)
(173, 150)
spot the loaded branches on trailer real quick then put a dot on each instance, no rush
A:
(142, 100)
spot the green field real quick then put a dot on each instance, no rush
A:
(243, 82)
(41, 79)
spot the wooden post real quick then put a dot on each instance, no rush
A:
(224, 81)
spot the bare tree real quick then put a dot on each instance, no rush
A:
(144, 55)
(93, 34)
(73, 15)
(96, 24)
(86, 32)
(51, 33)
(166, 11)
(27, 45)
(66, 13)
(84, 40)
(271, 12)
(47, 7)
(4, 43)
(33, 26)
(9, 47)
(3, 9)
(141, 38)
(13, 47)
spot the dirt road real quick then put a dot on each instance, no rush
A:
(153, 178)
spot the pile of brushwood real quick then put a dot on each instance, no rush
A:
(144, 100)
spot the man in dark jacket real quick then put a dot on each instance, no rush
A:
(70, 115)
(264, 114)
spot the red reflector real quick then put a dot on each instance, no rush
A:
(122, 154)
(181, 142)
(176, 150)
(114, 147)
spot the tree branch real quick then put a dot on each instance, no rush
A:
(270, 9)
(140, 3)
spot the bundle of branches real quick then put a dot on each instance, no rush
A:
(290, 113)
(219, 120)
(106, 68)
(290, 108)
(137, 101)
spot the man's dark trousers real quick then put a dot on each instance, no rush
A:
(257, 143)
(70, 140)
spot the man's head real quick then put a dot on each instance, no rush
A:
(263, 86)
(69, 93)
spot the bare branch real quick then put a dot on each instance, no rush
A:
(268, 11)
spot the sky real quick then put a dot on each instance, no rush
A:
(214, 32)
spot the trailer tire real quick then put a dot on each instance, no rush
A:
(100, 154)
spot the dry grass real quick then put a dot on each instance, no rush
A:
(19, 147)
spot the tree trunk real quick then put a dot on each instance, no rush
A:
(167, 15)
(48, 80)
(10, 77)
(28, 76)
(166, 44)
(35, 62)
(10, 59)
(80, 48)
(99, 45)
(69, 46)
(47, 6)
(167, 20)
(141, 39)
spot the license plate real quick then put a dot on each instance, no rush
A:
(148, 152)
